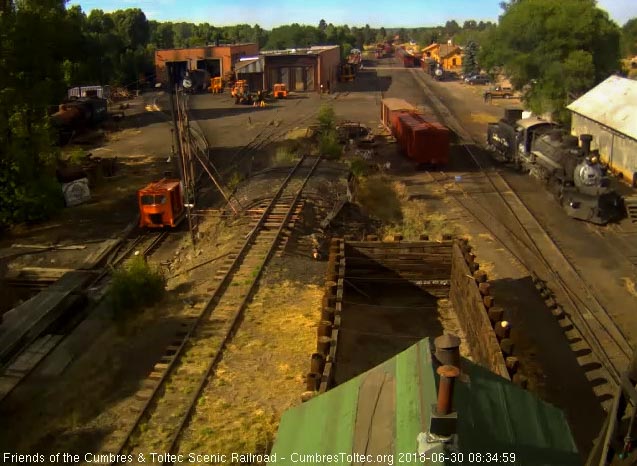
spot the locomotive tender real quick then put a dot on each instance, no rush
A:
(572, 172)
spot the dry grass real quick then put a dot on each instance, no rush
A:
(480, 117)
(629, 284)
(390, 203)
(379, 198)
(261, 375)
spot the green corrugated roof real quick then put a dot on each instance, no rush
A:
(382, 411)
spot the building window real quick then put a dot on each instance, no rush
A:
(453, 62)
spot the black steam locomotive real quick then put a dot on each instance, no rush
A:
(572, 172)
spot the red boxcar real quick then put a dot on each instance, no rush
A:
(390, 108)
(426, 142)
(161, 204)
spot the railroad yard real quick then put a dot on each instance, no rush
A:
(213, 365)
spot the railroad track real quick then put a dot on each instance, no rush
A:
(144, 244)
(539, 253)
(168, 396)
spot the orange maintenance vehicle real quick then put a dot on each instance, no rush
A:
(280, 91)
(216, 85)
(161, 204)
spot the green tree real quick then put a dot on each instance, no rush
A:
(563, 48)
(470, 59)
(30, 79)
(322, 25)
(629, 38)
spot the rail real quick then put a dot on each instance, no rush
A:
(607, 342)
(233, 311)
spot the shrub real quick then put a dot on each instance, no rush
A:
(326, 118)
(136, 285)
(329, 146)
(359, 167)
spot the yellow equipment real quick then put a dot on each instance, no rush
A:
(280, 91)
(240, 88)
(216, 85)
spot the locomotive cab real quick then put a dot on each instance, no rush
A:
(161, 204)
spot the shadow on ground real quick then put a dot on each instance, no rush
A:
(545, 354)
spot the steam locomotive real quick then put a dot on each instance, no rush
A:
(571, 170)
(77, 115)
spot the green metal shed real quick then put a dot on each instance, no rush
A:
(376, 418)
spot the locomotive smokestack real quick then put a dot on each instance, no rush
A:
(556, 135)
(586, 140)
(512, 114)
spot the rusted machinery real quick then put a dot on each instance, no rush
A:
(161, 204)
(280, 91)
(240, 88)
(77, 115)
(346, 72)
(216, 85)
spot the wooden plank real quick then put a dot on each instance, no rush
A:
(26, 362)
(375, 417)
(99, 255)
(399, 245)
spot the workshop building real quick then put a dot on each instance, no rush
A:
(216, 59)
(301, 70)
(608, 113)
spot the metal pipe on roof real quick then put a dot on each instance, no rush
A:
(448, 375)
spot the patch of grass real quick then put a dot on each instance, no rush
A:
(390, 203)
(234, 181)
(135, 286)
(285, 156)
(379, 199)
(329, 146)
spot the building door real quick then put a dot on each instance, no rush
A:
(309, 78)
(285, 77)
(299, 82)
(211, 65)
(176, 71)
(273, 77)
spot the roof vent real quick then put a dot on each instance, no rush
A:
(448, 350)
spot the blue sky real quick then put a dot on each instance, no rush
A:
(269, 13)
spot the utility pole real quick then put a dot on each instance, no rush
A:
(176, 139)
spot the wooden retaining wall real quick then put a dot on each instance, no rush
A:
(450, 267)
(473, 303)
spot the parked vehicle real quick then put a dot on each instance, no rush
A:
(161, 204)
(280, 91)
(479, 79)
(499, 92)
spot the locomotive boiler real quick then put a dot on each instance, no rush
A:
(77, 115)
(569, 169)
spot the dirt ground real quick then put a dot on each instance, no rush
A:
(74, 407)
(92, 376)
